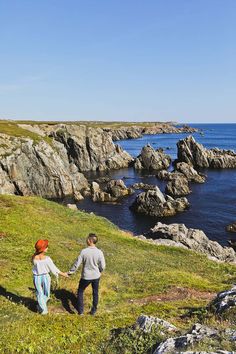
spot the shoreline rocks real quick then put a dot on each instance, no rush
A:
(193, 239)
(178, 187)
(154, 203)
(113, 191)
(196, 155)
(151, 159)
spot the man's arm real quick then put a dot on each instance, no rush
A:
(76, 265)
(102, 263)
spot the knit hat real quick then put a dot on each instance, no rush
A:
(41, 246)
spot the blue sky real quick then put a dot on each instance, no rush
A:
(118, 60)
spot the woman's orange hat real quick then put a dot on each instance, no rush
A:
(41, 245)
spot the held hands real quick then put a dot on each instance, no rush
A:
(64, 274)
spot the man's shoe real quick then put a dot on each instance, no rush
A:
(92, 313)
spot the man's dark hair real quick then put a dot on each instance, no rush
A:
(93, 237)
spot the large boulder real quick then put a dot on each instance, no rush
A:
(151, 159)
(193, 239)
(148, 323)
(154, 203)
(195, 154)
(196, 334)
(178, 187)
(224, 301)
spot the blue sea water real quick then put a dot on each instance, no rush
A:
(213, 204)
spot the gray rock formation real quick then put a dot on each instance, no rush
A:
(151, 159)
(193, 239)
(195, 154)
(224, 300)
(118, 189)
(114, 190)
(195, 335)
(154, 203)
(30, 168)
(190, 173)
(167, 176)
(178, 187)
(143, 186)
(90, 149)
(122, 133)
(134, 132)
(146, 323)
(231, 227)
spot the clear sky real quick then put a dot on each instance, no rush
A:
(131, 60)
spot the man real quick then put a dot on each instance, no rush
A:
(93, 263)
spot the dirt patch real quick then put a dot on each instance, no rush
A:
(2, 235)
(175, 294)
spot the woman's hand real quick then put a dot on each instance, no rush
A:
(64, 274)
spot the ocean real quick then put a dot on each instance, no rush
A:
(212, 204)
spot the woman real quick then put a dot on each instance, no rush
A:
(42, 266)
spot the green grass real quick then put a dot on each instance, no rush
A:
(135, 270)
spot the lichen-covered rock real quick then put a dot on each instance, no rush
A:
(224, 300)
(151, 159)
(178, 187)
(154, 203)
(146, 323)
(195, 335)
(195, 154)
(193, 239)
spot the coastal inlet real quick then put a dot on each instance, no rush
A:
(212, 204)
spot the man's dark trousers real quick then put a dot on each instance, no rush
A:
(82, 286)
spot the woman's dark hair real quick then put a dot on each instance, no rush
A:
(92, 237)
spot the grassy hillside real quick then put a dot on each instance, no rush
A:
(140, 278)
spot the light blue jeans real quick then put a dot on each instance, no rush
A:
(42, 284)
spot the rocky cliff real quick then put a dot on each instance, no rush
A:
(51, 165)
(135, 131)
(28, 168)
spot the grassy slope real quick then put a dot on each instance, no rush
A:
(135, 270)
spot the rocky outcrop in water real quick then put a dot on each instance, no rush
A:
(195, 154)
(114, 190)
(151, 159)
(118, 189)
(143, 186)
(154, 203)
(178, 186)
(37, 168)
(182, 170)
(190, 173)
(193, 239)
(91, 149)
(231, 227)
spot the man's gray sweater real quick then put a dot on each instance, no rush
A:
(93, 263)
